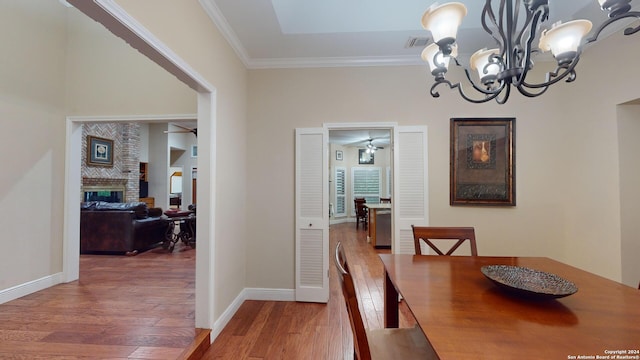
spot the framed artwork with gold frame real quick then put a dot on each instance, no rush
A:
(482, 161)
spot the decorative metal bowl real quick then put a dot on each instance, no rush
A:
(529, 282)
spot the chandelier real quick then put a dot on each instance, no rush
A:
(508, 65)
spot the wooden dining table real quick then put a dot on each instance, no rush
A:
(464, 315)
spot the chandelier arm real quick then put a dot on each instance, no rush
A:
(471, 82)
(630, 31)
(481, 90)
(514, 19)
(526, 61)
(501, 15)
(526, 26)
(508, 49)
(555, 76)
(505, 97)
(534, 13)
(435, 94)
(627, 31)
(507, 31)
(487, 12)
(501, 39)
(530, 94)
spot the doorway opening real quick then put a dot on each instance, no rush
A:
(360, 178)
(120, 23)
(360, 168)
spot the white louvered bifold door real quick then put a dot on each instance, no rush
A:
(312, 215)
(410, 199)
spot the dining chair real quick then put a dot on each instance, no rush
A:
(385, 200)
(361, 211)
(429, 234)
(397, 343)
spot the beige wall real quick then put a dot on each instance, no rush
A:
(32, 34)
(105, 76)
(566, 154)
(628, 130)
(185, 28)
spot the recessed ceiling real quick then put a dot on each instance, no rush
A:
(294, 33)
(339, 16)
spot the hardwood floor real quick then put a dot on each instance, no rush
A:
(139, 307)
(142, 307)
(289, 330)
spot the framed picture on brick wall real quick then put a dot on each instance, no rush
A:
(99, 151)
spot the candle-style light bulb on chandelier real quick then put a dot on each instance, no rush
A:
(509, 63)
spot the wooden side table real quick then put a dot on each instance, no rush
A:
(150, 201)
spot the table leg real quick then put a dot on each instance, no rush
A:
(390, 303)
(372, 227)
(169, 235)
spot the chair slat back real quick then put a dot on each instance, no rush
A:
(457, 234)
(361, 211)
(360, 342)
(358, 203)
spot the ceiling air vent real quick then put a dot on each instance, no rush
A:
(416, 42)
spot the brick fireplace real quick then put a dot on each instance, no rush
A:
(120, 182)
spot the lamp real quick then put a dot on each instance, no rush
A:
(508, 65)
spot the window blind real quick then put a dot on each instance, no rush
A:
(340, 191)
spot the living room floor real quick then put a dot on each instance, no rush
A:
(122, 307)
(142, 307)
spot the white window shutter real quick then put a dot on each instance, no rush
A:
(340, 191)
(366, 182)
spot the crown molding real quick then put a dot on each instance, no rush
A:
(283, 63)
(141, 118)
(222, 24)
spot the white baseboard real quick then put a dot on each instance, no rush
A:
(30, 287)
(249, 294)
(270, 294)
(246, 294)
(342, 220)
(226, 316)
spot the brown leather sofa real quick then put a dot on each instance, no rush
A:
(127, 228)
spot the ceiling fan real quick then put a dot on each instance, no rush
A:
(372, 148)
(184, 130)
